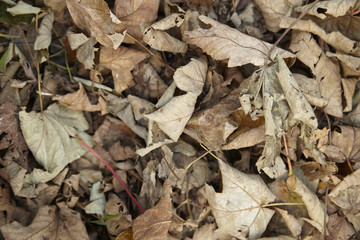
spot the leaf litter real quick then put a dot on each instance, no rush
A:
(197, 112)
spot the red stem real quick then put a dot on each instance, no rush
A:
(113, 173)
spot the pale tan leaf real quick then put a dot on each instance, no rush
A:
(223, 42)
(351, 61)
(123, 220)
(23, 8)
(327, 73)
(334, 38)
(95, 17)
(311, 90)
(334, 8)
(76, 39)
(136, 14)
(237, 209)
(155, 222)
(173, 20)
(349, 86)
(291, 222)
(79, 101)
(51, 138)
(43, 38)
(55, 5)
(247, 139)
(49, 223)
(97, 201)
(273, 11)
(298, 104)
(340, 228)
(314, 207)
(121, 61)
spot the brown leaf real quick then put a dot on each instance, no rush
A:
(95, 17)
(155, 222)
(223, 42)
(80, 101)
(339, 227)
(13, 138)
(121, 61)
(115, 206)
(49, 223)
(135, 14)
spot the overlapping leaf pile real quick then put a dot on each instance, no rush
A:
(219, 133)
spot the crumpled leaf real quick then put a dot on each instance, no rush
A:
(339, 227)
(291, 222)
(119, 218)
(85, 48)
(121, 61)
(80, 101)
(173, 116)
(155, 222)
(223, 42)
(51, 138)
(247, 139)
(49, 223)
(314, 207)
(238, 208)
(43, 39)
(273, 11)
(351, 61)
(95, 17)
(327, 73)
(334, 8)
(297, 102)
(23, 8)
(158, 39)
(97, 201)
(136, 14)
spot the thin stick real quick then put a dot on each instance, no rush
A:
(168, 164)
(190, 164)
(287, 156)
(112, 171)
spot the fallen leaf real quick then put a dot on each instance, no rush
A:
(80, 101)
(23, 8)
(223, 42)
(238, 208)
(49, 223)
(339, 227)
(95, 17)
(136, 14)
(291, 222)
(351, 61)
(119, 219)
(43, 38)
(121, 61)
(51, 138)
(97, 201)
(326, 72)
(155, 222)
(56, 5)
(247, 139)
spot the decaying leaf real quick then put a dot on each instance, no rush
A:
(223, 42)
(155, 222)
(49, 223)
(136, 14)
(95, 17)
(238, 208)
(23, 8)
(97, 201)
(121, 61)
(51, 138)
(80, 101)
(339, 227)
(43, 39)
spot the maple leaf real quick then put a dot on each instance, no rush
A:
(238, 208)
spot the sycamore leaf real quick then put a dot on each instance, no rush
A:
(95, 17)
(23, 8)
(334, 8)
(79, 101)
(238, 208)
(155, 222)
(121, 61)
(136, 14)
(49, 223)
(223, 42)
(51, 138)
(43, 39)
(327, 73)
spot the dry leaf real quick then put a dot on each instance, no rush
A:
(55, 5)
(23, 8)
(326, 72)
(311, 90)
(339, 228)
(334, 8)
(238, 208)
(95, 17)
(43, 38)
(247, 139)
(351, 61)
(97, 201)
(291, 222)
(121, 61)
(223, 42)
(116, 207)
(49, 223)
(51, 138)
(136, 14)
(158, 39)
(155, 222)
(80, 101)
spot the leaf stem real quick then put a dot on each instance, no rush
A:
(112, 171)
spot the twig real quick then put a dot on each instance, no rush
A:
(287, 156)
